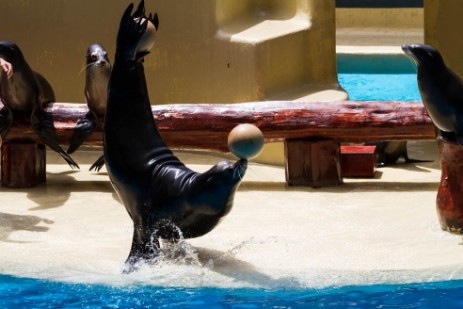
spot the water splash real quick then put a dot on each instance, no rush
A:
(174, 251)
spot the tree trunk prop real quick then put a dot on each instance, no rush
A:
(450, 193)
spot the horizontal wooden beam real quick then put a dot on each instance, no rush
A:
(206, 126)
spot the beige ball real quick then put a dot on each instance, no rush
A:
(246, 141)
(148, 38)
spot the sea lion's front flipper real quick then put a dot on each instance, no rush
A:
(459, 131)
(98, 164)
(42, 124)
(82, 130)
(6, 121)
(6, 115)
(460, 139)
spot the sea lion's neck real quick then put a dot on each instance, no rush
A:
(128, 90)
(129, 108)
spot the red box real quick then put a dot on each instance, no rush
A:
(358, 161)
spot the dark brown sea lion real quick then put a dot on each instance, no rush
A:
(389, 152)
(441, 91)
(24, 91)
(98, 72)
(163, 197)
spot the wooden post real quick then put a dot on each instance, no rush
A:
(23, 164)
(450, 192)
(313, 162)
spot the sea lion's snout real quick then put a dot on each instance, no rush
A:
(411, 49)
(239, 169)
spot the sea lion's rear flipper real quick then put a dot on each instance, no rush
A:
(140, 11)
(98, 164)
(82, 130)
(129, 35)
(145, 247)
(42, 124)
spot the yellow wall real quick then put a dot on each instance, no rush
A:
(54, 36)
(443, 30)
(206, 50)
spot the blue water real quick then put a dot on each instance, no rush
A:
(31, 293)
(380, 86)
(378, 77)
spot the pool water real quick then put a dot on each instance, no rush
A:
(380, 87)
(31, 293)
(378, 78)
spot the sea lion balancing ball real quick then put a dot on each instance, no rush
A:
(245, 141)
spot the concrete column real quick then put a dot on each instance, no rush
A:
(443, 21)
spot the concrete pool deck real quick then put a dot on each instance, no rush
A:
(366, 231)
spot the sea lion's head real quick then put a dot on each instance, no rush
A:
(97, 56)
(218, 185)
(425, 57)
(10, 52)
(227, 173)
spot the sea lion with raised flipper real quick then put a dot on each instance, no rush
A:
(98, 72)
(441, 90)
(25, 91)
(162, 196)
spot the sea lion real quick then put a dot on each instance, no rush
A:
(24, 91)
(163, 197)
(389, 152)
(98, 72)
(441, 91)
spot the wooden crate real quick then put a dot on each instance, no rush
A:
(358, 161)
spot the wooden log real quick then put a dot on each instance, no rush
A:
(450, 193)
(313, 163)
(206, 126)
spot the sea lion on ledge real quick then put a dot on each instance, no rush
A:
(98, 72)
(162, 196)
(26, 92)
(441, 91)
